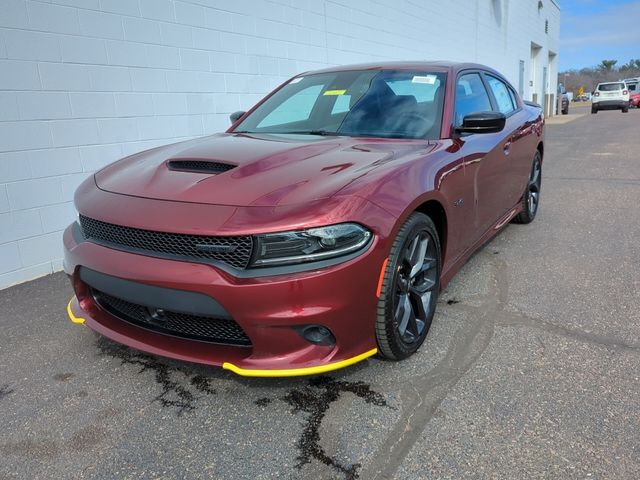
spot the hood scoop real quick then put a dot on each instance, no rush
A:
(199, 166)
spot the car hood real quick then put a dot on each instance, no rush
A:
(265, 170)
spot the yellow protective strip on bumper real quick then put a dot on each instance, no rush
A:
(295, 372)
(72, 317)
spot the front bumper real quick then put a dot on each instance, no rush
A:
(271, 310)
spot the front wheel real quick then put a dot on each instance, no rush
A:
(531, 196)
(410, 288)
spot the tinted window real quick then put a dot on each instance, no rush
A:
(610, 87)
(471, 96)
(295, 108)
(387, 103)
(342, 104)
(501, 93)
(422, 87)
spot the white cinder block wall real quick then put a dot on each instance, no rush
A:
(85, 82)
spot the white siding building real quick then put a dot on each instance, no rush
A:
(85, 82)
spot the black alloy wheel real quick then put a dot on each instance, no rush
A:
(531, 196)
(410, 289)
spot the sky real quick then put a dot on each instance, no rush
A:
(595, 30)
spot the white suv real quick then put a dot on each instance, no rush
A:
(610, 96)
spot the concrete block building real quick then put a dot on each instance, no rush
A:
(85, 82)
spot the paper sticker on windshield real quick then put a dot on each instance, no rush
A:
(334, 92)
(428, 79)
(296, 80)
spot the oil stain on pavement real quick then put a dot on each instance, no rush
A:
(174, 394)
(313, 398)
(5, 390)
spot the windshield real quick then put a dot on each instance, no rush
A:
(391, 104)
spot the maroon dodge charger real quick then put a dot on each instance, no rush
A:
(318, 230)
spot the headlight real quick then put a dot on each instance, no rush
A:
(309, 245)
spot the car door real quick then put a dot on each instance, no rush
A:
(485, 162)
(517, 146)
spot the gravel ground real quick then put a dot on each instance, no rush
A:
(531, 370)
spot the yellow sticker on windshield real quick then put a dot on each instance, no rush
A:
(334, 92)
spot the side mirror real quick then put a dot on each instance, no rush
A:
(482, 122)
(235, 116)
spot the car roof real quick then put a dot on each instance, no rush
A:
(439, 65)
(610, 83)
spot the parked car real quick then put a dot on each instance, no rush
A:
(563, 100)
(610, 96)
(318, 230)
(634, 93)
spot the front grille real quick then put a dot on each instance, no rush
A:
(234, 251)
(184, 325)
(200, 166)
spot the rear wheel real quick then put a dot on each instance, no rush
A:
(625, 109)
(531, 197)
(410, 288)
(594, 109)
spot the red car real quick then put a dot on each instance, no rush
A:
(634, 100)
(318, 230)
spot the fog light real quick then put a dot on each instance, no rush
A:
(318, 334)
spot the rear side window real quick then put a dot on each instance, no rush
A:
(610, 87)
(471, 96)
(502, 95)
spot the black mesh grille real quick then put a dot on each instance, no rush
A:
(200, 166)
(234, 251)
(196, 327)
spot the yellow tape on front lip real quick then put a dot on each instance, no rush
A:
(334, 92)
(296, 372)
(72, 317)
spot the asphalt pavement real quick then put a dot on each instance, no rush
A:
(531, 369)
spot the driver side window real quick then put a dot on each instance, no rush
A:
(471, 96)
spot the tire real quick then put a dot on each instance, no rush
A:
(411, 279)
(531, 196)
(565, 111)
(625, 109)
(594, 109)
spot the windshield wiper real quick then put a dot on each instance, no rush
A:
(323, 133)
